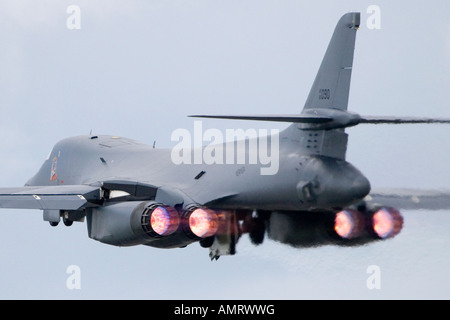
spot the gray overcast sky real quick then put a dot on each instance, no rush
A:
(137, 68)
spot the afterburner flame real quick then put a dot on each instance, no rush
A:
(387, 222)
(203, 222)
(164, 220)
(348, 223)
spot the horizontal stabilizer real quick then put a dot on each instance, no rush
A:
(297, 118)
(327, 119)
(401, 120)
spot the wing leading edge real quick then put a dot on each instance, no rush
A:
(73, 197)
(411, 199)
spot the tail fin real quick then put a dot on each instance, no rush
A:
(332, 84)
(329, 94)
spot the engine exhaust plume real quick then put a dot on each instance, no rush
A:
(387, 222)
(164, 220)
(203, 222)
(349, 223)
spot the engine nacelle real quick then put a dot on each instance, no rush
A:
(348, 227)
(132, 223)
(151, 223)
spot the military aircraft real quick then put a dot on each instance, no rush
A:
(131, 193)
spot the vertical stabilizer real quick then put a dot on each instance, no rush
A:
(330, 90)
(332, 84)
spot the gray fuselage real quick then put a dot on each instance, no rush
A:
(302, 182)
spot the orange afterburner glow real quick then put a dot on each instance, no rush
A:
(164, 220)
(348, 223)
(387, 222)
(203, 222)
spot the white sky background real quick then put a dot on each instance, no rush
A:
(137, 68)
